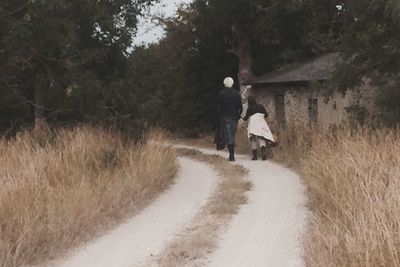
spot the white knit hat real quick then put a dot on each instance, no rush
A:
(228, 82)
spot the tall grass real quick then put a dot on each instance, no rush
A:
(59, 192)
(353, 181)
(353, 178)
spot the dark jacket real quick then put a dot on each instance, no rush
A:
(253, 109)
(229, 104)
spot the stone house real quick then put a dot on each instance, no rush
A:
(300, 94)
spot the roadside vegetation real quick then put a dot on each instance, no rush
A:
(353, 180)
(61, 190)
(70, 62)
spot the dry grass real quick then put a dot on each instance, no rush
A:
(191, 247)
(56, 193)
(353, 179)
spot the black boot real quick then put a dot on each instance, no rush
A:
(254, 154)
(231, 149)
(263, 153)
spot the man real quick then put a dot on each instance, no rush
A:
(229, 111)
(258, 130)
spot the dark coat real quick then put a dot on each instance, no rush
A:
(229, 104)
(253, 109)
(229, 107)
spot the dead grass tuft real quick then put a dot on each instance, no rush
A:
(59, 191)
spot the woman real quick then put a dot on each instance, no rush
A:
(258, 130)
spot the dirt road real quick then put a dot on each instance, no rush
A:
(267, 231)
(145, 234)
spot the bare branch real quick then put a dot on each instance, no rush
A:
(25, 100)
(16, 10)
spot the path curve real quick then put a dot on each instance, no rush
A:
(269, 229)
(145, 234)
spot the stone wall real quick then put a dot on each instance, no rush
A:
(266, 97)
(332, 104)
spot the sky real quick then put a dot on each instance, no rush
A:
(150, 33)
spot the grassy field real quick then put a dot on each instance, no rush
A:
(60, 191)
(353, 180)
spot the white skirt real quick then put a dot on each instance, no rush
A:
(258, 126)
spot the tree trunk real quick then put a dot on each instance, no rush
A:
(39, 104)
(242, 49)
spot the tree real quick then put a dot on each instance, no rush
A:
(371, 37)
(209, 40)
(54, 50)
(372, 47)
(269, 31)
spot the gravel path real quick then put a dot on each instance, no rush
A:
(267, 231)
(145, 234)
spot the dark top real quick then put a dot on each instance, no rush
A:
(229, 104)
(253, 109)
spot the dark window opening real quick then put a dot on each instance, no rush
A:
(280, 109)
(313, 110)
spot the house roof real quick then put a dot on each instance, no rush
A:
(319, 68)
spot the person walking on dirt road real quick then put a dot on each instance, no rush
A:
(229, 111)
(258, 130)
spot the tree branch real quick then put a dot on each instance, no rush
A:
(16, 10)
(25, 100)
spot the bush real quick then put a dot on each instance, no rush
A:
(388, 100)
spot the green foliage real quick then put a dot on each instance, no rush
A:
(73, 51)
(344, 76)
(372, 35)
(371, 44)
(177, 80)
(182, 75)
(289, 31)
